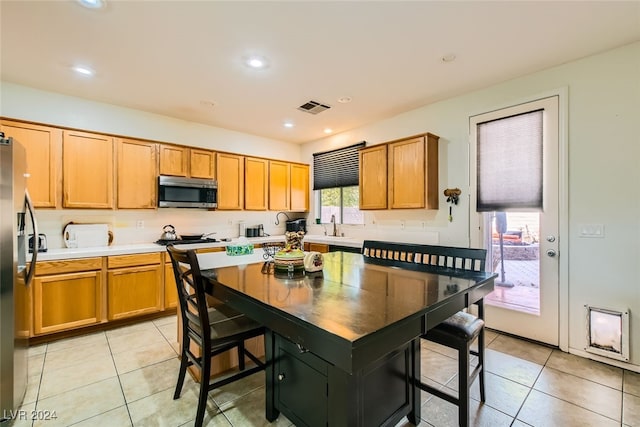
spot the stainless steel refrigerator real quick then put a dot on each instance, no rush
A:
(16, 220)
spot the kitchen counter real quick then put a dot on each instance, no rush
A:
(138, 248)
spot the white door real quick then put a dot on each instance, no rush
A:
(523, 245)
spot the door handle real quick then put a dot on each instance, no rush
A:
(28, 275)
(551, 252)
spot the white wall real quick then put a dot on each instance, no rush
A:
(603, 176)
(24, 103)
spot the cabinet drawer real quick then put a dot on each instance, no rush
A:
(68, 266)
(118, 261)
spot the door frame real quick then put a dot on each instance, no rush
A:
(563, 200)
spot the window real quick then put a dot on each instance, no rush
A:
(336, 179)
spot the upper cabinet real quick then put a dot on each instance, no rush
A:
(279, 186)
(256, 176)
(373, 177)
(137, 172)
(87, 165)
(202, 163)
(230, 169)
(43, 145)
(174, 160)
(299, 187)
(405, 171)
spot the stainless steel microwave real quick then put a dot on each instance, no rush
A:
(178, 192)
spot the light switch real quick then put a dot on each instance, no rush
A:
(591, 230)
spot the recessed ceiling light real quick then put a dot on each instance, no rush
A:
(344, 100)
(257, 62)
(85, 71)
(288, 124)
(328, 130)
(450, 57)
(92, 4)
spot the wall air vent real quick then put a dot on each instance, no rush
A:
(313, 107)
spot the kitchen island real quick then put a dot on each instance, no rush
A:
(343, 344)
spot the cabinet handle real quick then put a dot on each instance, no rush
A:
(301, 349)
(280, 377)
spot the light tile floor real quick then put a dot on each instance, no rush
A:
(126, 377)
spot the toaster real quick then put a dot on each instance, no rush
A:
(41, 243)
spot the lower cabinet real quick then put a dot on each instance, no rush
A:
(69, 299)
(134, 285)
(301, 384)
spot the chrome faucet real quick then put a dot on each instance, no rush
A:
(335, 228)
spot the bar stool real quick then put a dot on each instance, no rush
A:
(458, 332)
(214, 329)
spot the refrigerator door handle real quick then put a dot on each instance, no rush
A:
(28, 275)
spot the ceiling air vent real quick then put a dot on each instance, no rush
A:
(313, 107)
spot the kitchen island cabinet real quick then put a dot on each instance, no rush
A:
(87, 166)
(67, 295)
(137, 172)
(134, 285)
(43, 145)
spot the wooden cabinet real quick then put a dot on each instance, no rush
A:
(87, 165)
(230, 177)
(316, 247)
(67, 294)
(202, 163)
(134, 285)
(299, 187)
(137, 171)
(406, 169)
(170, 288)
(43, 145)
(256, 175)
(174, 160)
(373, 177)
(407, 175)
(302, 387)
(177, 160)
(279, 186)
(288, 186)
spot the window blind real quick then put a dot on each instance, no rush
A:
(336, 168)
(509, 163)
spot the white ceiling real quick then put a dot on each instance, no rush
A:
(173, 57)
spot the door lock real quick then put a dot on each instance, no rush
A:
(551, 252)
(551, 239)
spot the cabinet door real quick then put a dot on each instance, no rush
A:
(256, 175)
(43, 145)
(279, 186)
(170, 288)
(134, 291)
(316, 247)
(301, 388)
(66, 301)
(202, 163)
(431, 160)
(173, 160)
(137, 173)
(230, 169)
(373, 177)
(299, 187)
(407, 174)
(87, 167)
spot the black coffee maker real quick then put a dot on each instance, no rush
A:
(297, 225)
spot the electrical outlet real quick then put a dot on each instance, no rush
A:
(230, 222)
(139, 223)
(423, 224)
(402, 224)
